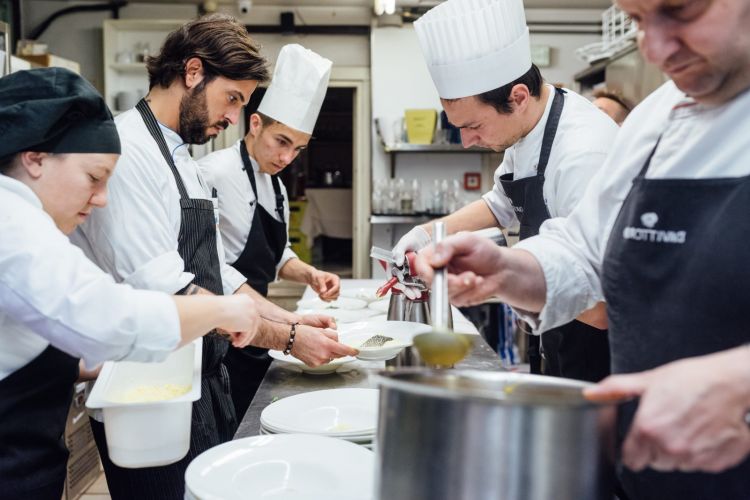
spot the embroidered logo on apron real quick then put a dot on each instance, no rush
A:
(650, 235)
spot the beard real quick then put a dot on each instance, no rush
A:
(194, 117)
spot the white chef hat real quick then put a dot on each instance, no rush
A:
(472, 46)
(298, 87)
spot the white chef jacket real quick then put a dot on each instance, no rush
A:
(584, 138)
(50, 293)
(224, 171)
(134, 237)
(697, 141)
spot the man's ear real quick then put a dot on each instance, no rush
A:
(31, 163)
(519, 97)
(256, 124)
(193, 72)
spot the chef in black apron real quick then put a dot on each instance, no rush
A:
(574, 350)
(55, 291)
(213, 420)
(254, 207)
(663, 238)
(554, 141)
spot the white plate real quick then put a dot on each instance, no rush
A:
(403, 332)
(340, 303)
(379, 305)
(360, 439)
(318, 370)
(342, 315)
(366, 294)
(333, 412)
(288, 467)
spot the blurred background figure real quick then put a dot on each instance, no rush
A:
(613, 103)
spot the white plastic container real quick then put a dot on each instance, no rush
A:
(154, 433)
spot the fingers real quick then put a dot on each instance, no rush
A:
(240, 339)
(422, 265)
(618, 387)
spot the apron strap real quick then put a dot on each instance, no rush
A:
(279, 197)
(153, 128)
(647, 164)
(248, 168)
(248, 165)
(550, 129)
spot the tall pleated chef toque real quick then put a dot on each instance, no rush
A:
(298, 87)
(53, 110)
(473, 46)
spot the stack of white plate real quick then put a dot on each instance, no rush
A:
(288, 467)
(347, 414)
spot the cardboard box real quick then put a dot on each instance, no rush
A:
(48, 61)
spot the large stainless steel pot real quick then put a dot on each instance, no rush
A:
(454, 435)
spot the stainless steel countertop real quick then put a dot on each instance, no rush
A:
(284, 380)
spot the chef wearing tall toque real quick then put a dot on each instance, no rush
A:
(253, 203)
(554, 141)
(59, 149)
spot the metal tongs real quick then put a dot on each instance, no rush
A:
(399, 274)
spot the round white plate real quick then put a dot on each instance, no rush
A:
(318, 370)
(342, 315)
(333, 412)
(402, 332)
(379, 305)
(340, 303)
(366, 294)
(360, 439)
(288, 467)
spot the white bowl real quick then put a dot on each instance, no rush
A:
(318, 370)
(288, 467)
(402, 333)
(366, 294)
(154, 433)
(379, 305)
(340, 303)
(342, 315)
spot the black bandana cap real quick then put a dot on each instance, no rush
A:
(53, 110)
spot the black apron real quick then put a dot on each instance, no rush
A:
(263, 250)
(574, 350)
(213, 420)
(672, 300)
(34, 404)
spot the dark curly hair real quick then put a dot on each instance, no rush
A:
(219, 41)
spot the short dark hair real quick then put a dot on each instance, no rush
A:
(266, 120)
(613, 95)
(499, 98)
(7, 163)
(219, 41)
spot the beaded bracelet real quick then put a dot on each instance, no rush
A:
(292, 334)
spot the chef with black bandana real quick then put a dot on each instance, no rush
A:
(254, 206)
(56, 306)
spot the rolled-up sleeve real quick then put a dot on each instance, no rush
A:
(49, 285)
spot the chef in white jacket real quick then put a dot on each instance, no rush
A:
(554, 141)
(160, 229)
(253, 203)
(55, 305)
(662, 236)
